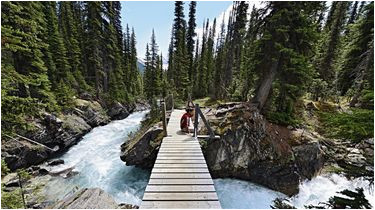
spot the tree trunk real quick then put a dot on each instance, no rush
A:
(265, 86)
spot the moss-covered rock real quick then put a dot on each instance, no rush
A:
(253, 149)
(142, 149)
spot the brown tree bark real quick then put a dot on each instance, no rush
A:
(263, 90)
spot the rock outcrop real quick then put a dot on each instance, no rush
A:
(251, 148)
(142, 150)
(59, 132)
(119, 111)
(87, 198)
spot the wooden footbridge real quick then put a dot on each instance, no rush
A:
(180, 177)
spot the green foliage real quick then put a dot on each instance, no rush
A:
(4, 168)
(24, 174)
(11, 200)
(355, 125)
(282, 118)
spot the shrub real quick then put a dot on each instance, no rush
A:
(282, 118)
(4, 168)
(356, 125)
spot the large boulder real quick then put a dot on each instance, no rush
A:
(53, 131)
(118, 111)
(249, 150)
(87, 198)
(142, 150)
(92, 112)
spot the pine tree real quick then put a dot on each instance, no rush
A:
(354, 55)
(331, 42)
(113, 59)
(134, 73)
(210, 59)
(190, 37)
(94, 36)
(220, 63)
(58, 65)
(180, 58)
(25, 85)
(147, 78)
(285, 45)
(68, 29)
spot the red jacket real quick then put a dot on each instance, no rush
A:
(184, 123)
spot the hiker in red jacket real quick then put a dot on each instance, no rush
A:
(185, 120)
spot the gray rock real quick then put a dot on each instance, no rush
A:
(118, 111)
(87, 198)
(12, 183)
(56, 162)
(127, 206)
(309, 158)
(370, 141)
(142, 151)
(247, 150)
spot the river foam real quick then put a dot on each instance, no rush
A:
(96, 158)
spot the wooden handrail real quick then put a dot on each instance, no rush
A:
(198, 113)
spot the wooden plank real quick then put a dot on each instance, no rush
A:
(180, 204)
(180, 196)
(180, 188)
(179, 157)
(180, 170)
(158, 161)
(207, 136)
(180, 176)
(181, 165)
(190, 150)
(181, 144)
(186, 153)
(180, 147)
(168, 154)
(180, 181)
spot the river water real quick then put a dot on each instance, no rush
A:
(96, 158)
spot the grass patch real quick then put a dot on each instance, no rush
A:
(207, 102)
(281, 118)
(355, 125)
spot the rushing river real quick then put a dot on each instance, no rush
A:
(96, 158)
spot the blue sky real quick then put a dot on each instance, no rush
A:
(146, 15)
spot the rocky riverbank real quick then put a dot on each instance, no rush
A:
(251, 148)
(61, 131)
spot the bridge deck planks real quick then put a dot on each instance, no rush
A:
(180, 177)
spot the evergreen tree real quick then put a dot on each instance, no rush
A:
(180, 58)
(93, 41)
(331, 42)
(113, 59)
(355, 53)
(134, 73)
(147, 78)
(25, 85)
(57, 63)
(190, 37)
(68, 29)
(283, 53)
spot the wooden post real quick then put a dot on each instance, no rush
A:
(172, 103)
(164, 119)
(196, 120)
(212, 134)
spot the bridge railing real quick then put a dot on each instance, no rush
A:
(198, 113)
